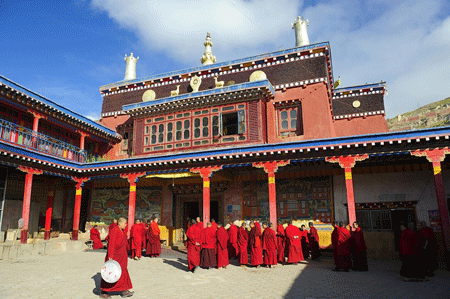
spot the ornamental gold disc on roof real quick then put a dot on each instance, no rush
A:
(257, 76)
(149, 95)
(195, 83)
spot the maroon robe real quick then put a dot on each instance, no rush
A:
(243, 245)
(222, 247)
(117, 250)
(428, 249)
(359, 251)
(232, 241)
(256, 257)
(305, 243)
(293, 236)
(144, 234)
(193, 250)
(214, 225)
(281, 242)
(412, 264)
(314, 243)
(95, 237)
(334, 242)
(110, 227)
(136, 240)
(154, 241)
(344, 250)
(269, 246)
(208, 239)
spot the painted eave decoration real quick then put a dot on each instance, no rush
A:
(26, 98)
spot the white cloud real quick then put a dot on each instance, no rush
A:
(93, 115)
(405, 43)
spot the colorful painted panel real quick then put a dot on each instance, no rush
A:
(306, 198)
(112, 203)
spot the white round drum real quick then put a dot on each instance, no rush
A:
(111, 271)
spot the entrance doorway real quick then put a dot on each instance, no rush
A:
(214, 210)
(191, 211)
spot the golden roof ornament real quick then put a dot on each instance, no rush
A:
(208, 57)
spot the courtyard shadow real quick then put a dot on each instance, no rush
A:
(180, 264)
(97, 280)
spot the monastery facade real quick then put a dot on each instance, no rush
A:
(266, 137)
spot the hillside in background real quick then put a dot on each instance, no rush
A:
(436, 114)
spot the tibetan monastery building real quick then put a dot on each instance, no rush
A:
(269, 137)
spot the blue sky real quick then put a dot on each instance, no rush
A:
(65, 50)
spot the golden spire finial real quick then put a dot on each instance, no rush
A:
(208, 57)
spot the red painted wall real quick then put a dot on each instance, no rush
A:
(316, 113)
(360, 126)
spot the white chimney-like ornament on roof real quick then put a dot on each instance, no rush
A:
(208, 57)
(301, 33)
(130, 71)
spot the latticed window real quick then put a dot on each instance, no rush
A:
(289, 121)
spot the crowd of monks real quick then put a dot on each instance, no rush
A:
(214, 246)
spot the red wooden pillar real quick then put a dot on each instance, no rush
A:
(206, 173)
(348, 162)
(271, 168)
(436, 156)
(132, 178)
(36, 119)
(27, 200)
(49, 211)
(82, 139)
(76, 211)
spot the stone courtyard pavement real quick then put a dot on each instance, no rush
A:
(76, 275)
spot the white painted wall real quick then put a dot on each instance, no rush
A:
(417, 186)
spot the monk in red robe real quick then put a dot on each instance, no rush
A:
(269, 238)
(214, 224)
(334, 240)
(193, 246)
(428, 248)
(243, 245)
(95, 237)
(222, 247)
(144, 225)
(344, 261)
(293, 237)
(232, 241)
(208, 239)
(314, 242)
(412, 264)
(154, 240)
(113, 224)
(359, 249)
(117, 250)
(304, 239)
(256, 258)
(281, 242)
(199, 223)
(136, 240)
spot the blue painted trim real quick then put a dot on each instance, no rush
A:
(236, 87)
(215, 66)
(167, 157)
(38, 97)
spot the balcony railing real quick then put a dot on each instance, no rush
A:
(24, 137)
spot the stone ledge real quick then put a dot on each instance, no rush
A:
(12, 251)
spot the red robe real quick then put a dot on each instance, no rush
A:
(208, 257)
(305, 243)
(314, 243)
(95, 237)
(214, 225)
(359, 251)
(243, 245)
(110, 227)
(256, 257)
(412, 263)
(334, 242)
(144, 234)
(136, 240)
(293, 237)
(193, 250)
(269, 246)
(222, 247)
(232, 241)
(428, 253)
(344, 249)
(281, 242)
(117, 250)
(154, 241)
